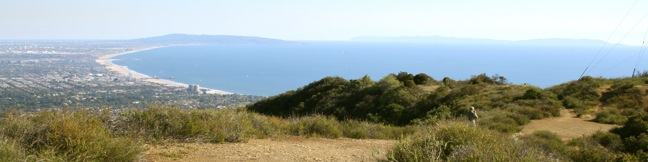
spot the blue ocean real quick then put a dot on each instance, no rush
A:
(270, 69)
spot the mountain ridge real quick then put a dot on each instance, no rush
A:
(455, 40)
(207, 39)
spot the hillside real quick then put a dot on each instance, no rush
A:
(605, 100)
(404, 98)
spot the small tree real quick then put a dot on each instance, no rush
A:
(422, 78)
(404, 76)
(389, 82)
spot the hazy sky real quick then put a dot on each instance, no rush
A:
(322, 19)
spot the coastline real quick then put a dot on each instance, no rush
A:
(107, 62)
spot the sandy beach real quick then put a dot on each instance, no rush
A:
(107, 61)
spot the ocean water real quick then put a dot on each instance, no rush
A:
(268, 70)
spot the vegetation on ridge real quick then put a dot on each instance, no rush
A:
(610, 101)
(402, 99)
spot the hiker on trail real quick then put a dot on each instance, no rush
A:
(472, 116)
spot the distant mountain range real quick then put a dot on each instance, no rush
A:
(207, 39)
(231, 39)
(451, 40)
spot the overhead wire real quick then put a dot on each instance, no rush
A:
(640, 54)
(619, 43)
(616, 28)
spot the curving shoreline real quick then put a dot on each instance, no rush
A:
(107, 62)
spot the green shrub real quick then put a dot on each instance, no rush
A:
(461, 142)
(636, 125)
(580, 95)
(484, 79)
(68, 136)
(362, 130)
(572, 102)
(266, 126)
(503, 121)
(610, 116)
(237, 125)
(588, 150)
(423, 78)
(637, 143)
(627, 143)
(530, 113)
(532, 94)
(608, 140)
(192, 125)
(548, 142)
(625, 95)
(592, 153)
(316, 126)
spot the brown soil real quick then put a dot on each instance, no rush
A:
(281, 149)
(567, 126)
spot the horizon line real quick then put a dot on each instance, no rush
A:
(351, 39)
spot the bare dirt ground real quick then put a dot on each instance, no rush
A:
(567, 126)
(280, 149)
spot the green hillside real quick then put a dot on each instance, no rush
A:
(404, 98)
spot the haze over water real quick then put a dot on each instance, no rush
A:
(268, 70)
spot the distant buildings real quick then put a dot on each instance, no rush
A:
(72, 77)
(195, 89)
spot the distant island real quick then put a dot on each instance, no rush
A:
(476, 41)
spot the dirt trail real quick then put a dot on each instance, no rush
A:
(283, 149)
(567, 126)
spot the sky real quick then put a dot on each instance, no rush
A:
(326, 19)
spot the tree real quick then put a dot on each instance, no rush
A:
(532, 94)
(484, 79)
(363, 82)
(635, 126)
(422, 78)
(404, 76)
(389, 82)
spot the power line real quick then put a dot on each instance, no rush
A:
(641, 52)
(618, 26)
(609, 50)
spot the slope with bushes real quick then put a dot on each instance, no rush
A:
(609, 101)
(460, 142)
(401, 99)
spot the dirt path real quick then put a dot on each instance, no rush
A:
(283, 149)
(567, 126)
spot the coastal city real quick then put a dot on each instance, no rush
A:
(80, 74)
